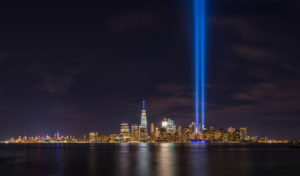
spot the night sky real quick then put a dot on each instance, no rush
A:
(86, 66)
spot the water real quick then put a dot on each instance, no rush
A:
(148, 160)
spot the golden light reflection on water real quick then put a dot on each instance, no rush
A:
(166, 158)
(93, 160)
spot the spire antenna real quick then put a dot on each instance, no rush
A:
(144, 105)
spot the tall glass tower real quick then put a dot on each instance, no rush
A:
(143, 126)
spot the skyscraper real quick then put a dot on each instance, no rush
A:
(93, 136)
(231, 132)
(143, 126)
(243, 133)
(168, 126)
(134, 132)
(125, 132)
(178, 130)
(157, 133)
(152, 133)
(152, 128)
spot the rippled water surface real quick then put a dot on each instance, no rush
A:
(148, 160)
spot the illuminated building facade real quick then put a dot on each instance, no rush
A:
(231, 132)
(124, 132)
(143, 135)
(157, 133)
(243, 133)
(152, 128)
(152, 132)
(168, 126)
(135, 132)
(93, 137)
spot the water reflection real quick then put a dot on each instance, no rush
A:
(147, 160)
(38, 160)
(199, 159)
(238, 160)
(93, 161)
(143, 157)
(58, 158)
(166, 158)
(124, 159)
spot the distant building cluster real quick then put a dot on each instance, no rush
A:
(43, 139)
(166, 132)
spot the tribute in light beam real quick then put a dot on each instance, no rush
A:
(199, 57)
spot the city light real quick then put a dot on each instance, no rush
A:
(198, 142)
(167, 131)
(199, 60)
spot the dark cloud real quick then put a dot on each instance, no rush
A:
(3, 107)
(34, 67)
(248, 52)
(174, 101)
(54, 84)
(2, 56)
(134, 21)
(171, 88)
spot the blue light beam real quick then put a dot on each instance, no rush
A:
(199, 56)
(144, 105)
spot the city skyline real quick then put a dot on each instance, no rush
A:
(168, 131)
(152, 87)
(78, 67)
